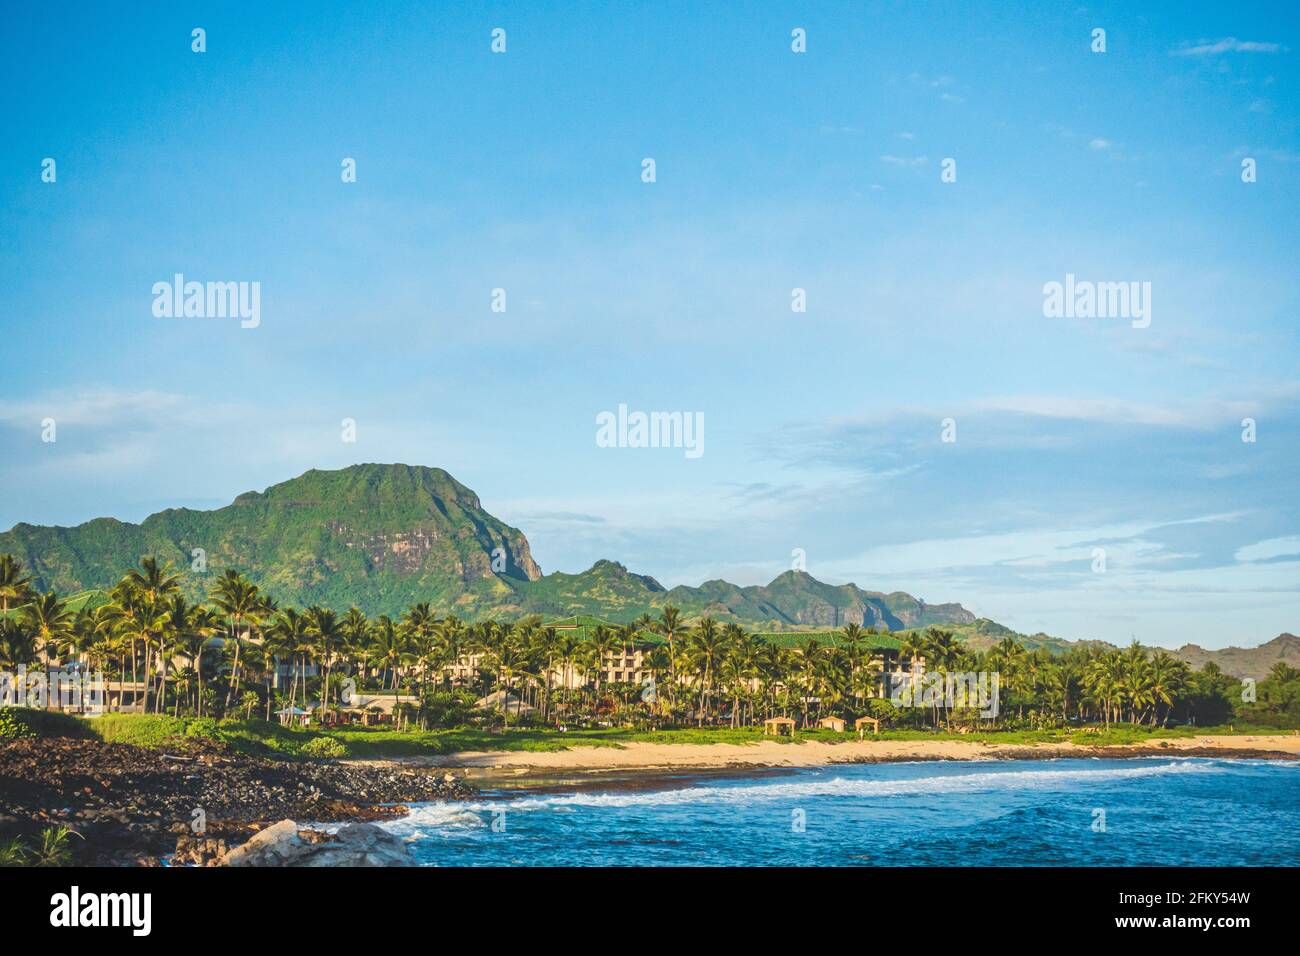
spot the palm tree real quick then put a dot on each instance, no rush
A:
(288, 638)
(512, 659)
(1104, 679)
(279, 647)
(389, 647)
(603, 644)
(670, 625)
(1133, 666)
(912, 648)
(51, 624)
(239, 600)
(17, 645)
(151, 585)
(942, 654)
(14, 585)
(325, 636)
(1168, 678)
(706, 648)
(189, 643)
(739, 666)
(547, 646)
(451, 637)
(87, 628)
(183, 684)
(569, 651)
(1006, 658)
(257, 660)
(354, 631)
(422, 625)
(854, 643)
(420, 621)
(205, 624)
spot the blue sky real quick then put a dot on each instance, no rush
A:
(775, 170)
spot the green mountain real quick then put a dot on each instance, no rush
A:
(795, 599)
(384, 536)
(1246, 661)
(379, 536)
(982, 634)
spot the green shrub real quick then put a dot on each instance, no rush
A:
(17, 723)
(323, 747)
(50, 848)
(14, 725)
(205, 727)
(142, 730)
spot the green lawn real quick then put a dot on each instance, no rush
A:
(273, 739)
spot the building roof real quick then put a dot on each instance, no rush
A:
(827, 639)
(585, 625)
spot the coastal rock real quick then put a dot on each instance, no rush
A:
(354, 844)
(198, 852)
(147, 800)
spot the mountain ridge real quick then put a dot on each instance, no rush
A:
(382, 536)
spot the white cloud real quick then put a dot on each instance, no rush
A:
(117, 408)
(1269, 548)
(1115, 411)
(1227, 45)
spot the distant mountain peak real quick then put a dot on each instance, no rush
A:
(383, 536)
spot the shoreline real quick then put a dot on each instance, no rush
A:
(593, 765)
(133, 805)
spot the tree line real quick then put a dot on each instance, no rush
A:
(703, 672)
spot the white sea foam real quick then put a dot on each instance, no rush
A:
(824, 783)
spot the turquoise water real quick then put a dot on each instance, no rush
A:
(1158, 811)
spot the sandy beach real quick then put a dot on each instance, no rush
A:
(656, 756)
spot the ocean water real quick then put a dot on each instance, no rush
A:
(1157, 812)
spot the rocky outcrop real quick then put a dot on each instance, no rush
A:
(136, 804)
(287, 844)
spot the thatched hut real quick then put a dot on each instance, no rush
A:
(775, 725)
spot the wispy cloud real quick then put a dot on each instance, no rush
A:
(1118, 411)
(142, 408)
(1227, 45)
(1270, 548)
(904, 160)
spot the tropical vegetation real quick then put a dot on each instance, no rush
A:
(238, 654)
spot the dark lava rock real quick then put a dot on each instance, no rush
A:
(132, 805)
